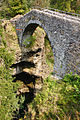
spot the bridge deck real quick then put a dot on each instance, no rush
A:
(58, 14)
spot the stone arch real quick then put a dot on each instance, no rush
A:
(31, 26)
(55, 39)
(63, 32)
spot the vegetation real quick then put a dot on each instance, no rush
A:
(40, 3)
(49, 53)
(69, 5)
(29, 42)
(8, 100)
(58, 100)
(10, 8)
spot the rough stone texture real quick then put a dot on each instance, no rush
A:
(63, 32)
(36, 54)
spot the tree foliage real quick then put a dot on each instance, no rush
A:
(13, 7)
(40, 3)
(59, 99)
(10, 8)
(69, 5)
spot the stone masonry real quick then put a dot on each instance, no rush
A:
(63, 32)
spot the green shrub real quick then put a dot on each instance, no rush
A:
(59, 99)
(10, 8)
(29, 42)
(71, 93)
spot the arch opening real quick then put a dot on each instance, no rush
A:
(36, 40)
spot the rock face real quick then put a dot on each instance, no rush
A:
(32, 65)
(36, 54)
(63, 32)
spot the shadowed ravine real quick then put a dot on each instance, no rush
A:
(28, 92)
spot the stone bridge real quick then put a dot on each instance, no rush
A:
(63, 32)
